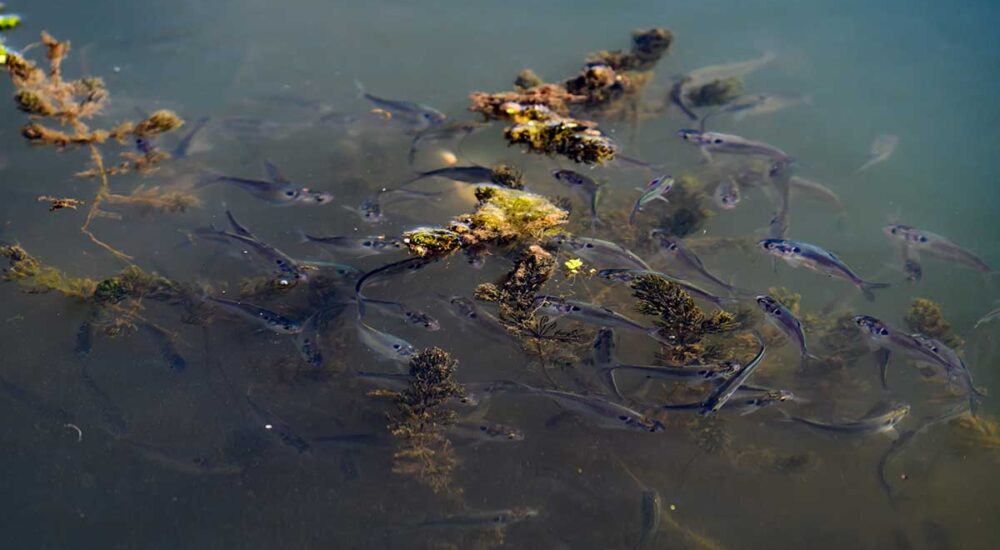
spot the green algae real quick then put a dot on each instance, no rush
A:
(925, 317)
(716, 92)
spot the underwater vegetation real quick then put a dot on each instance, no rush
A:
(685, 213)
(420, 418)
(46, 95)
(502, 217)
(978, 433)
(925, 317)
(544, 114)
(680, 319)
(716, 92)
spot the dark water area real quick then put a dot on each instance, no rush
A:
(179, 417)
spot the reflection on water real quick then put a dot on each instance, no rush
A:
(336, 308)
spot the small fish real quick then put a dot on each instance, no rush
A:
(356, 246)
(882, 336)
(467, 174)
(657, 188)
(586, 187)
(275, 426)
(195, 463)
(241, 236)
(680, 254)
(479, 520)
(989, 317)
(183, 147)
(786, 321)
(481, 431)
(652, 510)
(371, 209)
(279, 190)
(689, 374)
(114, 420)
(601, 252)
(389, 270)
(84, 339)
(307, 341)
(727, 194)
(607, 414)
(419, 116)
(467, 310)
(871, 424)
(405, 314)
(779, 175)
(882, 148)
(755, 105)
(797, 253)
(459, 129)
(264, 317)
(591, 314)
(954, 411)
(36, 403)
(716, 142)
(955, 367)
(603, 353)
(629, 275)
(809, 189)
(718, 398)
(168, 349)
(936, 245)
(385, 345)
(738, 69)
(740, 405)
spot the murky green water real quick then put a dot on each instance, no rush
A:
(167, 458)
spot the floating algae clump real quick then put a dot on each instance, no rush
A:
(648, 46)
(420, 418)
(680, 319)
(27, 270)
(716, 92)
(501, 217)
(507, 176)
(925, 317)
(568, 137)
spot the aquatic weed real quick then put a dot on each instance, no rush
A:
(925, 317)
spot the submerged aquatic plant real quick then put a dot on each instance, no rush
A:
(686, 213)
(979, 433)
(29, 271)
(502, 217)
(680, 319)
(925, 317)
(46, 95)
(421, 417)
(716, 92)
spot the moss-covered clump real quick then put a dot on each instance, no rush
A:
(925, 317)
(568, 137)
(716, 92)
(648, 46)
(28, 270)
(680, 319)
(507, 176)
(421, 417)
(502, 216)
(786, 297)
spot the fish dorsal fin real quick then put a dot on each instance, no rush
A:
(275, 174)
(237, 227)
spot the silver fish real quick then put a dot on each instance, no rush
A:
(496, 519)
(603, 352)
(778, 314)
(955, 367)
(727, 194)
(989, 317)
(935, 245)
(241, 236)
(356, 246)
(871, 424)
(607, 414)
(601, 252)
(405, 314)
(420, 117)
(780, 177)
(809, 189)
(466, 174)
(954, 411)
(657, 188)
(459, 130)
(587, 188)
(591, 314)
(716, 142)
(385, 345)
(680, 254)
(689, 374)
(181, 461)
(389, 270)
(467, 310)
(652, 510)
(738, 69)
(275, 426)
(279, 190)
(307, 341)
(742, 406)
(800, 254)
(718, 398)
(265, 317)
(882, 337)
(629, 275)
(754, 105)
(370, 209)
(882, 148)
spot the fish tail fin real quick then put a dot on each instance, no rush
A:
(867, 165)
(360, 88)
(882, 360)
(207, 177)
(867, 287)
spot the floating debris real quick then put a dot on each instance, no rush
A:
(57, 203)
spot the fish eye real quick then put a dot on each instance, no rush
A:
(883, 332)
(588, 245)
(289, 193)
(796, 249)
(482, 428)
(717, 141)
(922, 239)
(894, 230)
(396, 346)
